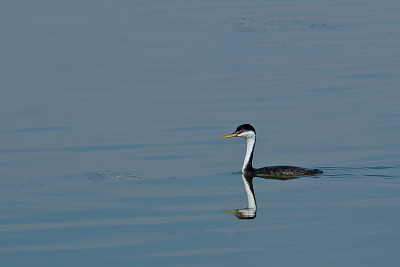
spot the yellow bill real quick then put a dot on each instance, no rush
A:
(232, 211)
(230, 135)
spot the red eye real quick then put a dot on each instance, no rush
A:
(240, 131)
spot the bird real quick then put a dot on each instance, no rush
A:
(248, 132)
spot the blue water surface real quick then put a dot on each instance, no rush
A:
(111, 114)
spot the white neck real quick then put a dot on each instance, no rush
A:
(251, 140)
(251, 200)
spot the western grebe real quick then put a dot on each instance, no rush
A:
(249, 133)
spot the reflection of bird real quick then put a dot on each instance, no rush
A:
(249, 133)
(251, 210)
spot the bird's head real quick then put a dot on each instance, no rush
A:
(246, 213)
(244, 131)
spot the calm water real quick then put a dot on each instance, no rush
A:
(111, 114)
